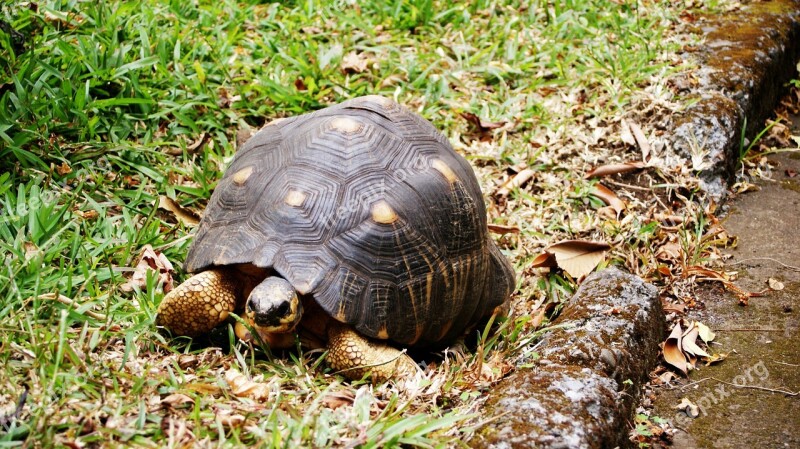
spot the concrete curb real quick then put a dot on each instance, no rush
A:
(582, 391)
(748, 57)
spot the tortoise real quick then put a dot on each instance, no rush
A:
(358, 226)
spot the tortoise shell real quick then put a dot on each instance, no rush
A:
(367, 208)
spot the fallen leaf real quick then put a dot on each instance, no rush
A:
(744, 186)
(715, 358)
(608, 197)
(90, 214)
(63, 19)
(503, 229)
(176, 400)
(775, 284)
(63, 169)
(704, 332)
(672, 351)
(515, 182)
(538, 318)
(790, 173)
(481, 126)
(688, 407)
(664, 270)
(228, 419)
(689, 342)
(299, 84)
(674, 308)
(641, 140)
(338, 399)
(578, 257)
(625, 133)
(150, 260)
(707, 273)
(354, 62)
(241, 386)
(204, 388)
(613, 169)
(666, 377)
(184, 215)
(191, 148)
(544, 260)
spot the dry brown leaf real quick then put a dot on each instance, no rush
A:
(184, 215)
(539, 317)
(709, 274)
(354, 62)
(63, 169)
(613, 169)
(687, 406)
(64, 19)
(204, 388)
(689, 342)
(90, 214)
(228, 419)
(176, 400)
(744, 186)
(641, 140)
(241, 386)
(704, 332)
(670, 251)
(775, 284)
(608, 197)
(544, 260)
(479, 123)
(666, 377)
(578, 257)
(672, 351)
(503, 229)
(674, 308)
(191, 148)
(150, 260)
(664, 270)
(517, 181)
(338, 399)
(625, 133)
(715, 358)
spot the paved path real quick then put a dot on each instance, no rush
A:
(764, 335)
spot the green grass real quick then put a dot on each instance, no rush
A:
(100, 114)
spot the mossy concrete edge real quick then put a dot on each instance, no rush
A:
(582, 391)
(748, 57)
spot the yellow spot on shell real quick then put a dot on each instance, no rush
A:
(241, 176)
(383, 333)
(440, 166)
(345, 125)
(383, 213)
(295, 198)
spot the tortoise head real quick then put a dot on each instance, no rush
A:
(273, 306)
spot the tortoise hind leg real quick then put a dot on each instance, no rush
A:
(200, 303)
(355, 355)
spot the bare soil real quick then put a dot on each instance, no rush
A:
(762, 337)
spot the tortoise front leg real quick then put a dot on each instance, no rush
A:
(200, 304)
(354, 355)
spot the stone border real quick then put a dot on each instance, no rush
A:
(748, 57)
(582, 391)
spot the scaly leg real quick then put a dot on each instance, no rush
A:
(199, 304)
(355, 355)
